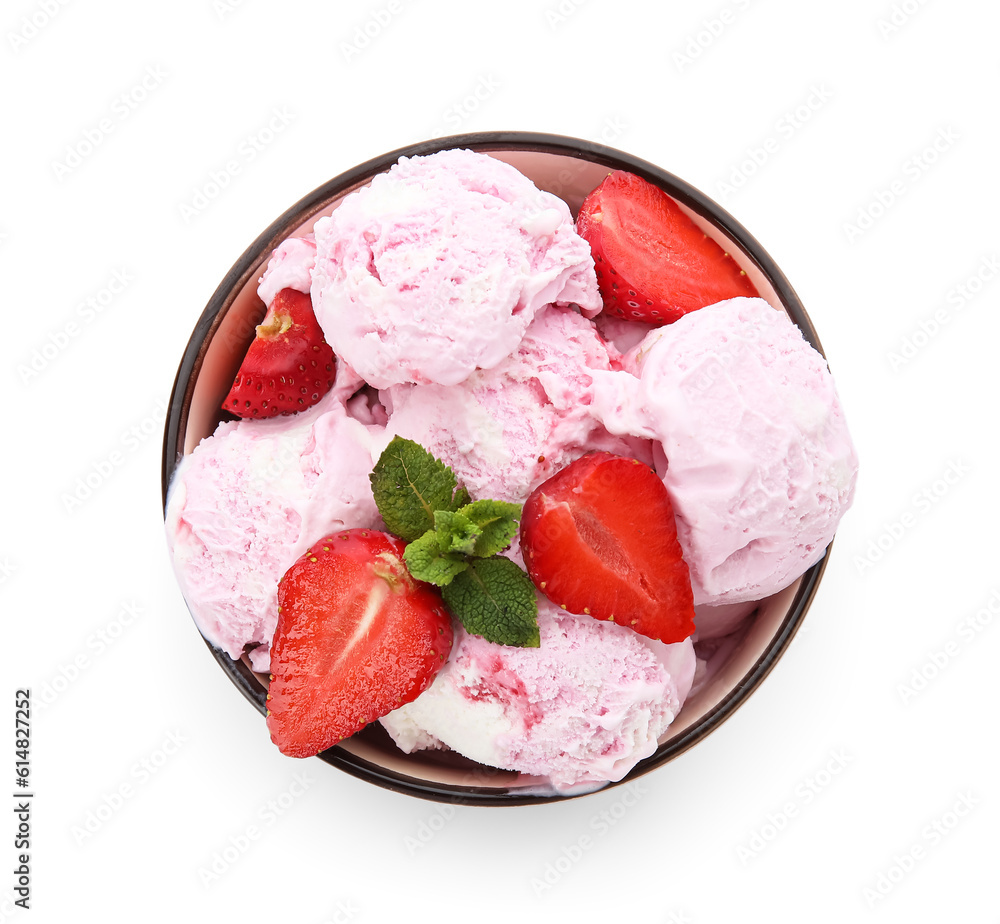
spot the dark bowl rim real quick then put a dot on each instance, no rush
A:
(529, 142)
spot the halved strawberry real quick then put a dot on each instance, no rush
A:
(653, 263)
(357, 637)
(288, 367)
(599, 538)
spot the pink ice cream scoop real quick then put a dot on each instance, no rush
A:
(290, 267)
(439, 265)
(582, 709)
(506, 429)
(758, 461)
(246, 503)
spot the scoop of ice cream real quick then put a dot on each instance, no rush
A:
(716, 621)
(755, 451)
(437, 267)
(584, 707)
(247, 502)
(290, 267)
(506, 429)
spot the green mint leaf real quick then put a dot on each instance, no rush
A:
(495, 599)
(426, 560)
(497, 521)
(409, 485)
(453, 541)
(455, 532)
(461, 499)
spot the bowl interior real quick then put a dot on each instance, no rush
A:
(570, 169)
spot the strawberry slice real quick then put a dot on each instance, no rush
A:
(288, 367)
(653, 263)
(599, 538)
(357, 637)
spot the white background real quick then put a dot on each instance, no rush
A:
(828, 784)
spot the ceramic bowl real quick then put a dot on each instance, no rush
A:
(569, 168)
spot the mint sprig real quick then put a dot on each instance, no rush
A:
(497, 522)
(454, 543)
(427, 561)
(456, 532)
(409, 485)
(496, 600)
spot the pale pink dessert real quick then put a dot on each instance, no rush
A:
(249, 500)
(290, 267)
(438, 266)
(464, 300)
(718, 621)
(505, 430)
(582, 709)
(750, 439)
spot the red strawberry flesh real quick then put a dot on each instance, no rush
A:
(357, 637)
(653, 263)
(599, 538)
(289, 365)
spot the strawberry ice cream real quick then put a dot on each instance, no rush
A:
(439, 265)
(506, 429)
(718, 621)
(459, 303)
(250, 499)
(290, 267)
(752, 443)
(582, 709)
